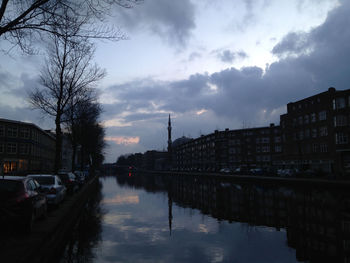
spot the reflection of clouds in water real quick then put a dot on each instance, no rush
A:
(119, 199)
(203, 228)
(216, 254)
(116, 219)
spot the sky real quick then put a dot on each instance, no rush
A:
(211, 65)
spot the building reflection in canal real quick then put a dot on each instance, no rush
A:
(315, 223)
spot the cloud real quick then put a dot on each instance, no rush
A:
(123, 140)
(229, 56)
(173, 21)
(309, 63)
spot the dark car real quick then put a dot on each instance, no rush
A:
(70, 181)
(21, 201)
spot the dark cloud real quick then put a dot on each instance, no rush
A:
(310, 63)
(229, 56)
(171, 20)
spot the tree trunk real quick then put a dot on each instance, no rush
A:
(74, 153)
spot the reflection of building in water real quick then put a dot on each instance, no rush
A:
(317, 222)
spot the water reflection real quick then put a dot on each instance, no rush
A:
(316, 220)
(157, 218)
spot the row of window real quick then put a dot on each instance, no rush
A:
(337, 103)
(22, 148)
(312, 148)
(15, 132)
(309, 118)
(313, 133)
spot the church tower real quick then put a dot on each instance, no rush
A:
(169, 139)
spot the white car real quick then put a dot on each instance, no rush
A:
(52, 186)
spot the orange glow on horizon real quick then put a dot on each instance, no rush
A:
(123, 140)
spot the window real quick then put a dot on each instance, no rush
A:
(24, 149)
(307, 133)
(257, 140)
(11, 148)
(323, 131)
(314, 133)
(265, 149)
(24, 133)
(341, 138)
(340, 120)
(2, 131)
(278, 148)
(266, 158)
(278, 139)
(1, 147)
(306, 119)
(257, 149)
(313, 117)
(338, 103)
(315, 148)
(323, 147)
(300, 120)
(322, 115)
(265, 140)
(12, 131)
(301, 135)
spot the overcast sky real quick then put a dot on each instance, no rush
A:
(210, 64)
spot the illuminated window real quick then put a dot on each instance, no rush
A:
(10, 166)
(11, 148)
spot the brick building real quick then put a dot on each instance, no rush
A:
(248, 148)
(315, 132)
(25, 148)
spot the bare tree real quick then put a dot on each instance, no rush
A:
(79, 118)
(23, 20)
(67, 77)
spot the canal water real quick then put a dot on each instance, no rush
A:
(157, 219)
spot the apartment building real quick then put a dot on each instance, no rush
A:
(315, 132)
(25, 148)
(248, 148)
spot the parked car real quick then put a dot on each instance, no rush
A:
(52, 186)
(21, 201)
(70, 181)
(225, 170)
(81, 177)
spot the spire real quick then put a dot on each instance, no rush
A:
(169, 143)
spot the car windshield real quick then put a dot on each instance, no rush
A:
(44, 179)
(10, 187)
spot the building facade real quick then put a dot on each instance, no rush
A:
(244, 148)
(315, 132)
(25, 148)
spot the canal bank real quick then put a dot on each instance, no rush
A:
(47, 239)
